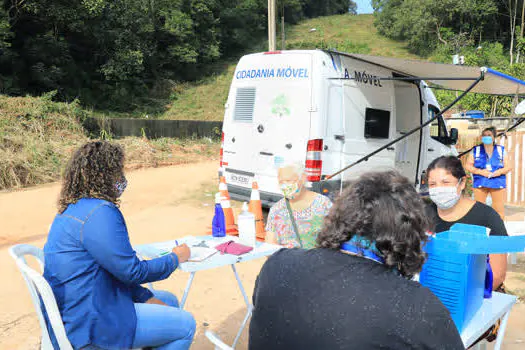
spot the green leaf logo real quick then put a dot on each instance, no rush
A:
(279, 106)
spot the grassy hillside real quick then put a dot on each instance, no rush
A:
(37, 137)
(205, 99)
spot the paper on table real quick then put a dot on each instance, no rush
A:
(200, 253)
(197, 253)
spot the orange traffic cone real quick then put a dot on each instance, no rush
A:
(223, 188)
(229, 218)
(255, 207)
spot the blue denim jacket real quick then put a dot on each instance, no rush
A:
(96, 276)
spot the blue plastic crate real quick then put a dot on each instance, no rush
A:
(460, 289)
(456, 266)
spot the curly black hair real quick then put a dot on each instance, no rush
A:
(92, 172)
(383, 208)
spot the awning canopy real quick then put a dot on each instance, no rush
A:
(448, 75)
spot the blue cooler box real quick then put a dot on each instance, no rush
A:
(475, 114)
(456, 266)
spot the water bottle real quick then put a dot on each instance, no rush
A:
(246, 224)
(218, 226)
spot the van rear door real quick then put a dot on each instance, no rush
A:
(268, 117)
(408, 113)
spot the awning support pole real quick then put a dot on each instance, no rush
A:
(409, 78)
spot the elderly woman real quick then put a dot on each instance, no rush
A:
(296, 219)
(94, 272)
(355, 292)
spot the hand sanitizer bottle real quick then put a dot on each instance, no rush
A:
(246, 224)
(218, 226)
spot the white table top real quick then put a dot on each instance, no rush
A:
(154, 250)
(491, 310)
(515, 228)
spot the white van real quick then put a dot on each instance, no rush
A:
(325, 110)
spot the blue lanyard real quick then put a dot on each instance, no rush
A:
(353, 248)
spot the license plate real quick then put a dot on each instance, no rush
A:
(236, 179)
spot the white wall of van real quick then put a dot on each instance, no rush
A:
(324, 110)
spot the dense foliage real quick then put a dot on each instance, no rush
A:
(112, 54)
(486, 32)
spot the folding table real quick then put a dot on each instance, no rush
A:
(497, 307)
(155, 250)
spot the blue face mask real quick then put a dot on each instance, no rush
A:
(487, 140)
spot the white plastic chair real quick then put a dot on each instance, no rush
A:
(40, 289)
(219, 345)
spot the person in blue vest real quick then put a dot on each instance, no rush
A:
(489, 164)
(94, 272)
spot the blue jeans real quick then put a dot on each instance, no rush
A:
(163, 327)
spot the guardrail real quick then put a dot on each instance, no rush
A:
(152, 128)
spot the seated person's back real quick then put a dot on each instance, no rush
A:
(331, 298)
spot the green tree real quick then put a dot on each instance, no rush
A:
(426, 23)
(114, 54)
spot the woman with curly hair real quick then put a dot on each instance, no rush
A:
(94, 272)
(354, 291)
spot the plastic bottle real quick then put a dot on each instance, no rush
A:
(218, 225)
(246, 222)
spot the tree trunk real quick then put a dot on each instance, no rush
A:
(521, 31)
(439, 34)
(496, 101)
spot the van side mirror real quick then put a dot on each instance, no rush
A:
(454, 135)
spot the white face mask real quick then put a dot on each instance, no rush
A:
(445, 197)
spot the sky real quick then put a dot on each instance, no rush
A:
(364, 6)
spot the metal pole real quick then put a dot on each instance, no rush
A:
(271, 25)
(415, 79)
(390, 144)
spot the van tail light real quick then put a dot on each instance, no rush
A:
(273, 52)
(314, 163)
(222, 151)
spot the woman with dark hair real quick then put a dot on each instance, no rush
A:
(354, 291)
(489, 164)
(94, 272)
(446, 182)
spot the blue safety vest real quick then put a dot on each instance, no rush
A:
(482, 161)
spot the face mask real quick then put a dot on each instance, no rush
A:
(445, 197)
(487, 140)
(290, 190)
(121, 186)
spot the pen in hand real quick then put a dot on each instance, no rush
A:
(176, 245)
(182, 252)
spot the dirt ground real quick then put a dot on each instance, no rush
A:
(159, 204)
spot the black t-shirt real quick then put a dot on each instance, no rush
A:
(480, 215)
(325, 299)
